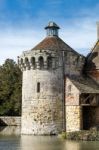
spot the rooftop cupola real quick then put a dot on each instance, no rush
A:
(52, 29)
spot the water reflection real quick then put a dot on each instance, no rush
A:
(10, 139)
(42, 143)
(10, 130)
(82, 145)
(72, 145)
(55, 143)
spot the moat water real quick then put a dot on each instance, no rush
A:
(10, 139)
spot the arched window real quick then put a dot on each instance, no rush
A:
(49, 62)
(33, 62)
(21, 60)
(41, 62)
(26, 61)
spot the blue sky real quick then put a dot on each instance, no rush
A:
(22, 24)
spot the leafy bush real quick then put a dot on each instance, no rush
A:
(10, 89)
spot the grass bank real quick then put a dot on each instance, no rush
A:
(90, 135)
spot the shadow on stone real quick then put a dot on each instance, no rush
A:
(2, 128)
(2, 123)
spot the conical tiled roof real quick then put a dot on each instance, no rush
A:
(53, 43)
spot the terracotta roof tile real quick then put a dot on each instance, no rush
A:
(53, 43)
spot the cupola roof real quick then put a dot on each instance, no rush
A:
(52, 25)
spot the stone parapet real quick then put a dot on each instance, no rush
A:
(10, 121)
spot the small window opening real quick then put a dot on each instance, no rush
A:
(49, 62)
(26, 61)
(21, 61)
(41, 62)
(38, 87)
(33, 62)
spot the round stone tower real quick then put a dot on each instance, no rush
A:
(42, 86)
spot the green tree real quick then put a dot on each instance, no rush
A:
(10, 88)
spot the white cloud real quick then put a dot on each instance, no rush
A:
(79, 33)
(12, 43)
(80, 36)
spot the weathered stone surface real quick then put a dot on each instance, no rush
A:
(73, 118)
(10, 121)
(71, 93)
(42, 111)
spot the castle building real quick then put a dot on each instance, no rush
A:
(60, 90)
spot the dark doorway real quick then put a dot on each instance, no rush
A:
(90, 117)
(86, 120)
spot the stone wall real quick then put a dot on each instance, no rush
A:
(74, 63)
(71, 93)
(10, 121)
(73, 118)
(72, 108)
(42, 111)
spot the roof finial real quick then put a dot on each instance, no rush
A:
(52, 29)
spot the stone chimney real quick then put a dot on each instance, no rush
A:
(98, 30)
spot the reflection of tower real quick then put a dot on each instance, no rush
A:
(42, 90)
(41, 143)
(73, 145)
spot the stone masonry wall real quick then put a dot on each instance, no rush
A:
(73, 118)
(42, 112)
(71, 93)
(72, 108)
(10, 121)
(74, 63)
